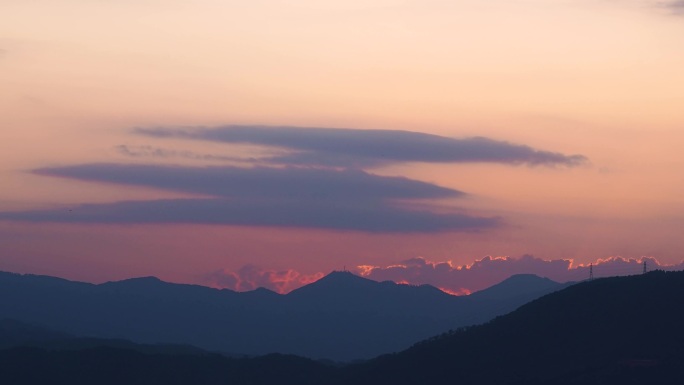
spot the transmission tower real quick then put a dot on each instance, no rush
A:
(591, 271)
(644, 266)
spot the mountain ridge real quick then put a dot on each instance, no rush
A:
(623, 330)
(341, 317)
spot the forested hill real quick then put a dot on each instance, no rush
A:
(625, 330)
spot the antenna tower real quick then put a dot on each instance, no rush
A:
(644, 266)
(591, 271)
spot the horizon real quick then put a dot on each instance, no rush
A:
(612, 267)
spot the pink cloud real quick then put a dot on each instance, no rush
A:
(250, 277)
(447, 276)
(489, 270)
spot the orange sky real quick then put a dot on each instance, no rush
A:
(600, 79)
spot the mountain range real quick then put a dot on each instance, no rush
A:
(340, 317)
(622, 330)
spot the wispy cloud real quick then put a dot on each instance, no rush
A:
(158, 152)
(354, 148)
(677, 5)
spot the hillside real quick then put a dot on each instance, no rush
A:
(615, 330)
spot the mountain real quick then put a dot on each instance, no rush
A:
(625, 330)
(341, 317)
(520, 285)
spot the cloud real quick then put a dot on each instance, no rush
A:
(488, 271)
(353, 148)
(677, 6)
(262, 182)
(355, 216)
(669, 3)
(674, 6)
(453, 279)
(157, 152)
(251, 277)
(315, 180)
(286, 197)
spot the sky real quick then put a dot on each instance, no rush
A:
(267, 143)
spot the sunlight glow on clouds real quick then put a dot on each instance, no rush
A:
(491, 270)
(450, 278)
(251, 277)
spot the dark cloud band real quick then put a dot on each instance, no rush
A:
(351, 148)
(263, 182)
(379, 218)
(264, 196)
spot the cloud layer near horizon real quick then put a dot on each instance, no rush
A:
(488, 271)
(465, 279)
(341, 147)
(251, 277)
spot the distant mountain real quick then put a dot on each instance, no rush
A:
(520, 285)
(625, 330)
(340, 317)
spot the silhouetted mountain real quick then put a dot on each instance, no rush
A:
(340, 317)
(520, 285)
(625, 330)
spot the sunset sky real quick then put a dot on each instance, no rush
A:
(265, 143)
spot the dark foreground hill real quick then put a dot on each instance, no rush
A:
(625, 330)
(340, 317)
(609, 331)
(15, 333)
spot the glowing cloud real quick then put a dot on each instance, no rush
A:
(488, 271)
(452, 279)
(251, 277)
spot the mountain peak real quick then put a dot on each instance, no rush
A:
(519, 284)
(341, 275)
(337, 281)
(149, 280)
(135, 283)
